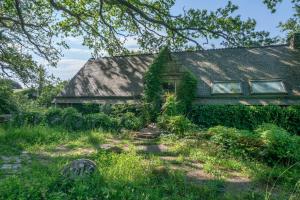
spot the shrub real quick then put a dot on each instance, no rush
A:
(27, 118)
(53, 117)
(241, 142)
(171, 106)
(268, 142)
(72, 119)
(7, 100)
(119, 109)
(178, 124)
(131, 122)
(246, 117)
(103, 121)
(87, 108)
(278, 144)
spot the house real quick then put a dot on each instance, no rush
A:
(251, 76)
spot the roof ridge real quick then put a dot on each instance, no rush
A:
(188, 51)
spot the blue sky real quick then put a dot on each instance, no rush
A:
(75, 57)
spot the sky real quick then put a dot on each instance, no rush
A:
(75, 57)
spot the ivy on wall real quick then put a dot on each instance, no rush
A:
(186, 91)
(153, 83)
(153, 90)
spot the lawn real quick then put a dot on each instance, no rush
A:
(128, 167)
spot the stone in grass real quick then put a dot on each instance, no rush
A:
(79, 168)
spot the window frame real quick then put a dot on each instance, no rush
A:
(227, 93)
(265, 81)
(173, 82)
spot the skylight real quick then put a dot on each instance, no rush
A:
(267, 87)
(226, 88)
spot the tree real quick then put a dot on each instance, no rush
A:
(292, 25)
(7, 104)
(40, 26)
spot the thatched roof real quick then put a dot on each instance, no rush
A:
(122, 76)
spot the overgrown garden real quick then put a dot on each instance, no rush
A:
(261, 143)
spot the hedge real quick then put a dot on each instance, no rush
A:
(72, 120)
(246, 117)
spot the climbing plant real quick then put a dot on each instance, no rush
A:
(186, 91)
(153, 84)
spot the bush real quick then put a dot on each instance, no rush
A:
(72, 119)
(27, 118)
(240, 142)
(278, 144)
(171, 106)
(246, 117)
(268, 142)
(7, 102)
(87, 108)
(53, 117)
(103, 121)
(178, 124)
(131, 122)
(119, 109)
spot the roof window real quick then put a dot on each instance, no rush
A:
(267, 87)
(228, 87)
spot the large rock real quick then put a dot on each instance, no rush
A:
(79, 167)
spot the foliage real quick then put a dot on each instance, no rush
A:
(72, 119)
(187, 90)
(279, 144)
(171, 106)
(292, 25)
(131, 122)
(48, 93)
(119, 109)
(31, 135)
(246, 117)
(7, 102)
(239, 142)
(152, 87)
(101, 121)
(131, 175)
(26, 24)
(53, 117)
(177, 124)
(268, 143)
(27, 118)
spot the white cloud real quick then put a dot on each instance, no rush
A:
(67, 68)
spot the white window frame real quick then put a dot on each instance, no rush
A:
(267, 81)
(227, 93)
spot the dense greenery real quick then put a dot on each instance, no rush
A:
(72, 120)
(246, 117)
(153, 91)
(187, 90)
(172, 119)
(268, 143)
(7, 102)
(132, 175)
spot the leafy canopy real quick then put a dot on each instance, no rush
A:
(292, 25)
(40, 27)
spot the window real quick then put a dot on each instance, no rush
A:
(226, 88)
(168, 86)
(267, 87)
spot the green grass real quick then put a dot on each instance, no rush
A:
(131, 174)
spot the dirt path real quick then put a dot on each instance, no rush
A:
(145, 142)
